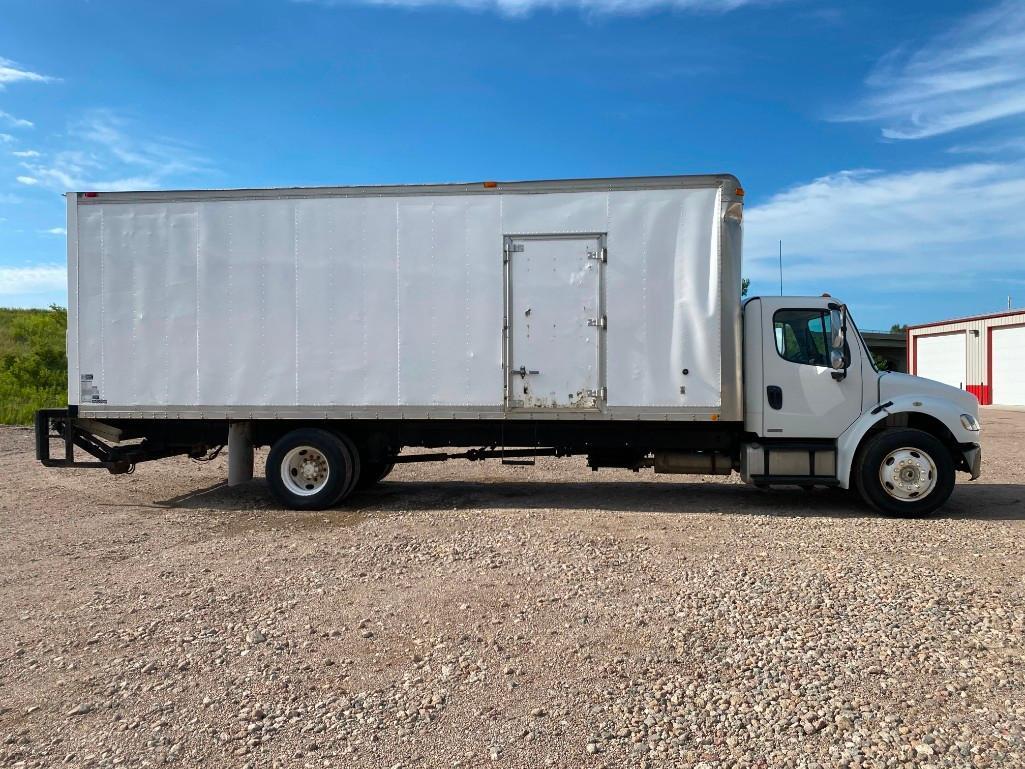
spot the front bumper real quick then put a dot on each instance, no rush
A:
(973, 459)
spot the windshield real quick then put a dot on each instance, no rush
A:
(853, 327)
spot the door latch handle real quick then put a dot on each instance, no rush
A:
(774, 395)
(523, 372)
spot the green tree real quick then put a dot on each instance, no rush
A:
(745, 284)
(881, 363)
(898, 328)
(33, 365)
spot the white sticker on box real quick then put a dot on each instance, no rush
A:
(90, 392)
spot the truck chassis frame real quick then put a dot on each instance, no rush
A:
(119, 444)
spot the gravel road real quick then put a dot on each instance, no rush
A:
(481, 615)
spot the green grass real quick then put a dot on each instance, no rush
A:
(33, 364)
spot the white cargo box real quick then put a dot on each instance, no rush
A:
(589, 299)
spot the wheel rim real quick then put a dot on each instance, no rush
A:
(908, 474)
(305, 471)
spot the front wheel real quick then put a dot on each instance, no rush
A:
(311, 469)
(905, 473)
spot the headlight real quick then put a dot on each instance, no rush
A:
(970, 423)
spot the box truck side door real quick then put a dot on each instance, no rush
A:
(802, 397)
(554, 321)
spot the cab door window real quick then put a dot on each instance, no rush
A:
(802, 336)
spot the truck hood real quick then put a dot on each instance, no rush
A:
(893, 385)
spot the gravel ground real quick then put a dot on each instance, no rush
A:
(481, 615)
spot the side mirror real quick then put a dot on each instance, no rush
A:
(838, 325)
(838, 341)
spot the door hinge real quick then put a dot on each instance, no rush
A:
(602, 322)
(602, 255)
(601, 393)
(514, 248)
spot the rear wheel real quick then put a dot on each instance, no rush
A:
(311, 469)
(357, 467)
(373, 473)
(905, 473)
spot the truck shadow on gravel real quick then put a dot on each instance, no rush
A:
(978, 501)
(982, 501)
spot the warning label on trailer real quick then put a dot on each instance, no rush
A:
(90, 392)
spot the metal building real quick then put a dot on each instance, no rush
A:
(984, 355)
(892, 347)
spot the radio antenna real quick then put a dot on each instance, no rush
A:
(781, 268)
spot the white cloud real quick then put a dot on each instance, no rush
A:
(160, 155)
(108, 155)
(54, 231)
(32, 280)
(1000, 147)
(932, 228)
(972, 74)
(15, 122)
(525, 7)
(6, 138)
(28, 180)
(10, 72)
(25, 154)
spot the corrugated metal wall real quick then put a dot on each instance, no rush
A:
(977, 333)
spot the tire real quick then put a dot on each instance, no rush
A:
(310, 469)
(373, 473)
(357, 467)
(921, 488)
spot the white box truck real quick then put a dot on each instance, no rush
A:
(597, 317)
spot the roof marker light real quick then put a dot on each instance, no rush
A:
(89, 194)
(489, 185)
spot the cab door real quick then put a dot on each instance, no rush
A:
(803, 396)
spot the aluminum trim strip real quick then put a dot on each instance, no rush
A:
(728, 182)
(441, 413)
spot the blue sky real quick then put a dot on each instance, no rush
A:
(883, 142)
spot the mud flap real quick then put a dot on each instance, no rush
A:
(973, 461)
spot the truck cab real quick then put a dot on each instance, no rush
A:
(818, 411)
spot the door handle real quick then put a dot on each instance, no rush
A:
(774, 395)
(523, 372)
